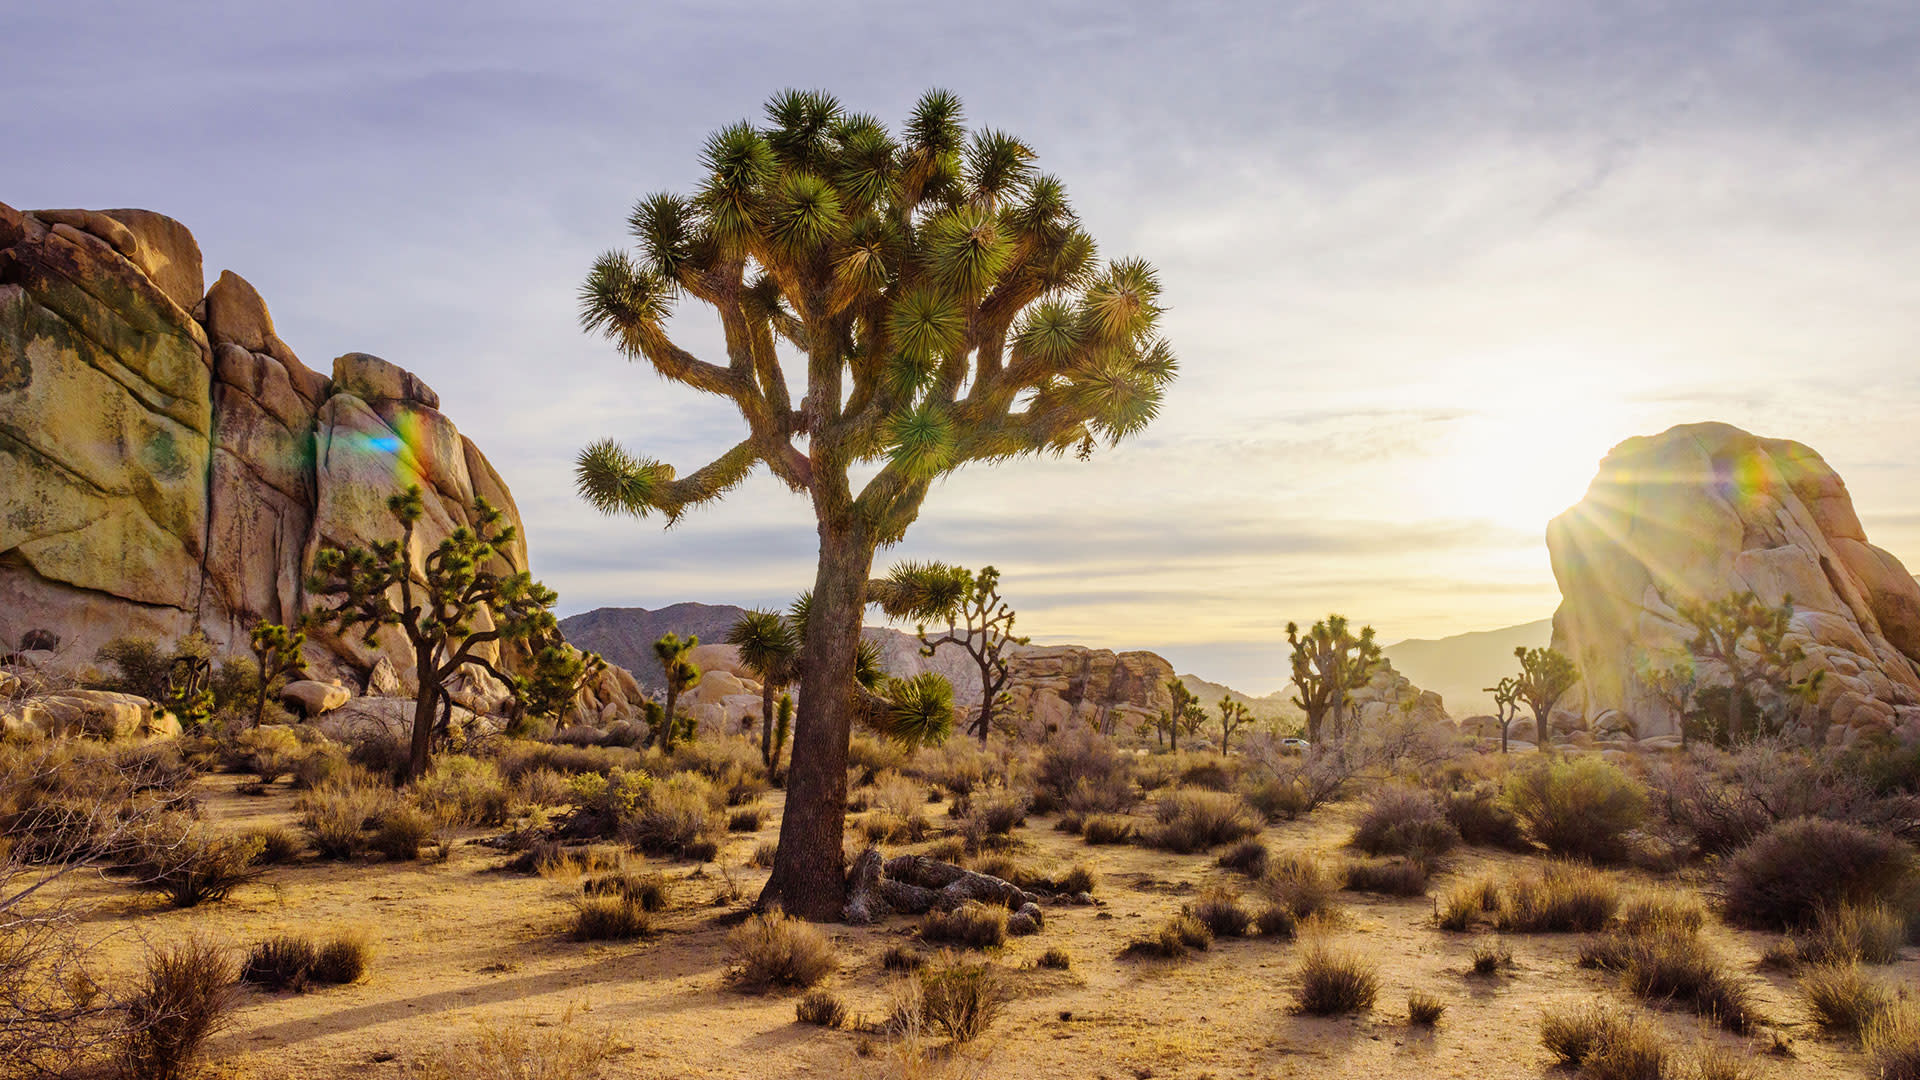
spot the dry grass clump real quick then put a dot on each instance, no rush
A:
(1851, 933)
(1467, 905)
(183, 997)
(1390, 877)
(1334, 982)
(1603, 1044)
(190, 864)
(1562, 898)
(973, 925)
(468, 789)
(1424, 1009)
(1665, 961)
(1107, 829)
(1295, 889)
(678, 816)
(541, 786)
(821, 1008)
(1583, 808)
(402, 832)
(1490, 956)
(957, 998)
(1799, 868)
(1404, 821)
(747, 819)
(278, 844)
(902, 958)
(1054, 959)
(1842, 998)
(1172, 940)
(1084, 772)
(610, 917)
(1483, 820)
(773, 950)
(1662, 911)
(1219, 908)
(295, 962)
(1186, 820)
(1713, 1062)
(1247, 857)
(763, 853)
(1892, 1042)
(335, 817)
(648, 890)
(524, 1050)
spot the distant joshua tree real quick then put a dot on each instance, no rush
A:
(770, 648)
(1233, 716)
(681, 675)
(1766, 662)
(1546, 674)
(1506, 708)
(940, 305)
(1187, 715)
(1328, 662)
(277, 652)
(440, 612)
(978, 621)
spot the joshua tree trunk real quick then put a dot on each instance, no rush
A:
(766, 721)
(423, 707)
(664, 737)
(808, 880)
(987, 693)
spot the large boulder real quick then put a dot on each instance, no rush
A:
(97, 714)
(1703, 511)
(1063, 685)
(313, 697)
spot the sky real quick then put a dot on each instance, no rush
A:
(1424, 263)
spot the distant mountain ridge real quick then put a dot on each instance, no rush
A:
(1460, 668)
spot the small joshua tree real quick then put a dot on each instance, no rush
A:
(440, 612)
(782, 726)
(277, 650)
(1506, 707)
(1747, 638)
(1328, 663)
(1675, 684)
(1233, 716)
(1187, 715)
(770, 648)
(560, 673)
(978, 621)
(1546, 674)
(681, 675)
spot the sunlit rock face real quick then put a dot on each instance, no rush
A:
(1702, 511)
(168, 463)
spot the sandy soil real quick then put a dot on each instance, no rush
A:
(460, 943)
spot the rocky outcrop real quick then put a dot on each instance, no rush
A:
(1387, 694)
(1703, 511)
(171, 464)
(1062, 685)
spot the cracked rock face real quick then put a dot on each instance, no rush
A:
(1703, 511)
(169, 463)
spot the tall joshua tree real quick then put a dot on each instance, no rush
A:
(770, 648)
(942, 306)
(277, 652)
(441, 613)
(1328, 661)
(1747, 637)
(681, 675)
(978, 621)
(1546, 674)
(1233, 716)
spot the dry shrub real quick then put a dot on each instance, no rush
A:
(610, 917)
(1186, 821)
(973, 925)
(1892, 1042)
(1562, 898)
(181, 1000)
(1713, 1062)
(1584, 808)
(341, 959)
(1404, 821)
(524, 1050)
(1172, 940)
(869, 757)
(1334, 982)
(1084, 772)
(1867, 934)
(958, 998)
(1219, 908)
(278, 844)
(1663, 911)
(1055, 959)
(746, 819)
(1603, 1044)
(541, 786)
(648, 890)
(471, 790)
(1424, 1009)
(1842, 998)
(1298, 886)
(1489, 957)
(1667, 962)
(190, 864)
(1390, 877)
(763, 853)
(677, 817)
(403, 830)
(902, 958)
(1482, 820)
(1467, 904)
(821, 1008)
(320, 764)
(1107, 829)
(1248, 857)
(773, 950)
(335, 817)
(296, 962)
(1796, 869)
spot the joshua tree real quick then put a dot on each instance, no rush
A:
(1233, 716)
(1676, 684)
(441, 612)
(978, 621)
(771, 649)
(945, 308)
(277, 650)
(1545, 677)
(1187, 715)
(1766, 661)
(560, 673)
(681, 674)
(1328, 662)
(1506, 708)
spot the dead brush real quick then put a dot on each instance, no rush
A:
(1490, 956)
(1424, 1009)
(960, 999)
(1467, 905)
(521, 1049)
(1107, 829)
(1842, 998)
(1603, 1044)
(1220, 909)
(1300, 886)
(1402, 820)
(182, 999)
(1562, 898)
(296, 962)
(650, 891)
(190, 864)
(1892, 1042)
(821, 1008)
(1388, 877)
(1187, 820)
(1247, 857)
(772, 950)
(1334, 982)
(612, 917)
(1172, 940)
(972, 925)
(1666, 962)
